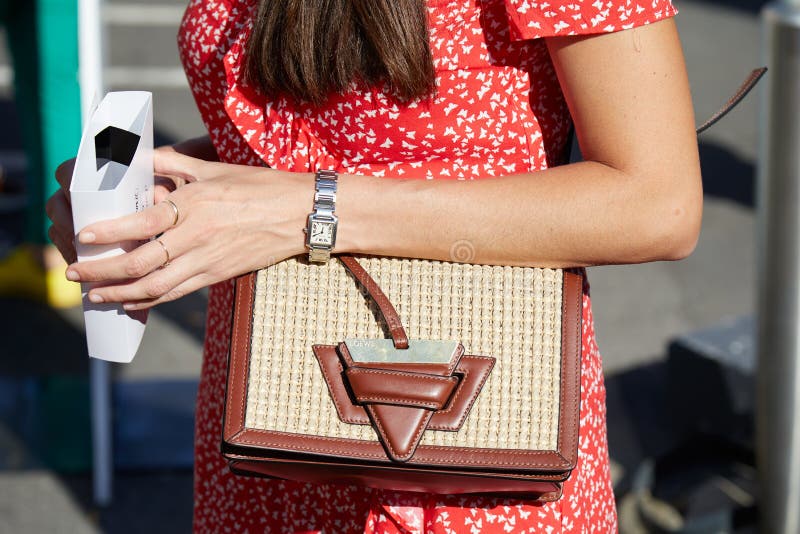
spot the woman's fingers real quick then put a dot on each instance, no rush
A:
(174, 164)
(137, 263)
(174, 171)
(135, 227)
(164, 185)
(64, 243)
(59, 211)
(61, 232)
(64, 174)
(189, 286)
(158, 286)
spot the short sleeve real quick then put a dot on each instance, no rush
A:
(532, 19)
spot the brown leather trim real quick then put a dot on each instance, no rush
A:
(255, 443)
(403, 478)
(400, 428)
(239, 359)
(571, 318)
(262, 443)
(472, 370)
(401, 388)
(332, 370)
(384, 304)
(399, 402)
(233, 453)
(435, 369)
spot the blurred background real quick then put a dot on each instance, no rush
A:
(676, 338)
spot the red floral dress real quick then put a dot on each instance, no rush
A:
(498, 110)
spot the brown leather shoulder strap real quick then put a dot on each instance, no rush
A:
(745, 88)
(388, 312)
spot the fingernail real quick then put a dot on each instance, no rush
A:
(97, 299)
(128, 306)
(73, 275)
(86, 237)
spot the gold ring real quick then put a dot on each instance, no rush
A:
(166, 262)
(175, 209)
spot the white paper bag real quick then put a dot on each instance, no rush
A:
(113, 176)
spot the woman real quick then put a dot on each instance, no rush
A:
(484, 94)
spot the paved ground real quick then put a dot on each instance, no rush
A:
(638, 309)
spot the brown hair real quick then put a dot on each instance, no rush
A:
(310, 49)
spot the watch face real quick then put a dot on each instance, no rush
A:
(321, 233)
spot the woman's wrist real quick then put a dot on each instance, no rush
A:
(357, 201)
(376, 214)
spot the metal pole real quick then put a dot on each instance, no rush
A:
(91, 51)
(102, 447)
(778, 216)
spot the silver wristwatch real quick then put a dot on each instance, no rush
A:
(321, 226)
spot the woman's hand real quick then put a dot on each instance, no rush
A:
(59, 211)
(233, 219)
(59, 208)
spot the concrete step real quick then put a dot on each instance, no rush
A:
(35, 502)
(711, 380)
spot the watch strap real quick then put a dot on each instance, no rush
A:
(324, 207)
(325, 193)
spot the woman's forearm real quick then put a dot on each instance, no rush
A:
(574, 215)
(636, 198)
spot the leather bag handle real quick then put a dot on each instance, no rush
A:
(746, 87)
(387, 311)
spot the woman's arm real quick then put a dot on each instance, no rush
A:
(636, 198)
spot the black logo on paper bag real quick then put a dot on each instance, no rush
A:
(115, 144)
(114, 149)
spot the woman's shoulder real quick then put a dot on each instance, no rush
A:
(533, 19)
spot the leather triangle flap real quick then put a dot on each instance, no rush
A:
(472, 372)
(400, 428)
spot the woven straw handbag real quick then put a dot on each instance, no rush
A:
(406, 374)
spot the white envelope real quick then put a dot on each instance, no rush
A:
(113, 176)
